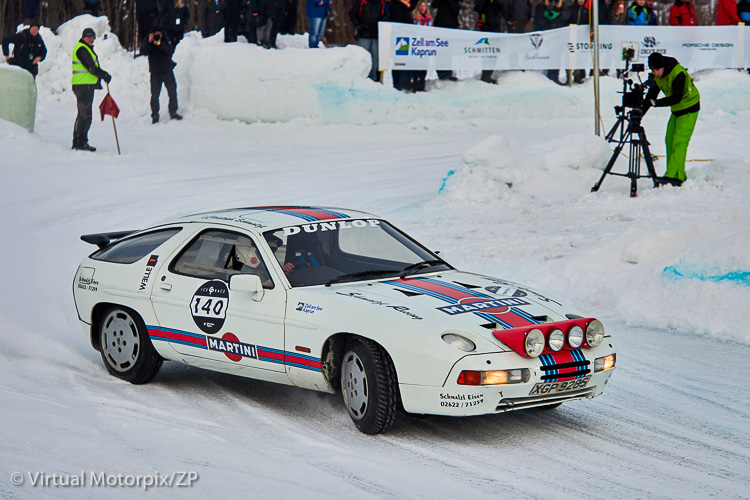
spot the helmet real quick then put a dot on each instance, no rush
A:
(247, 255)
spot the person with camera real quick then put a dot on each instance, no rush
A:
(87, 77)
(681, 94)
(158, 47)
(28, 48)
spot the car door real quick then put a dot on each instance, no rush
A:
(200, 317)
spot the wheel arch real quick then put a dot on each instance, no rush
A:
(333, 354)
(97, 315)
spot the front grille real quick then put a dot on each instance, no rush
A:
(560, 371)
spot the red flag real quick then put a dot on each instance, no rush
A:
(109, 107)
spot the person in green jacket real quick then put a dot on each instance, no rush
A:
(87, 76)
(682, 96)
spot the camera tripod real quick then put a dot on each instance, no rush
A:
(630, 131)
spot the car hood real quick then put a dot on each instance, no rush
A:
(455, 300)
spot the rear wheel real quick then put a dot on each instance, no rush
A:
(126, 347)
(369, 385)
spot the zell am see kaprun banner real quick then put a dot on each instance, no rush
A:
(410, 46)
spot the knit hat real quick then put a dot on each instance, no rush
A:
(88, 32)
(33, 23)
(656, 61)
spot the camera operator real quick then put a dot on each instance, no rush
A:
(158, 47)
(682, 96)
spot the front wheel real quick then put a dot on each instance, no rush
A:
(126, 348)
(369, 385)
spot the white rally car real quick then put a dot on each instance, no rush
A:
(333, 300)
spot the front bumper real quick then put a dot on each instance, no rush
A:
(546, 385)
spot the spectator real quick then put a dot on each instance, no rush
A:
(422, 17)
(28, 48)
(726, 13)
(579, 14)
(743, 10)
(231, 19)
(683, 97)
(30, 10)
(317, 12)
(682, 14)
(268, 21)
(551, 14)
(248, 17)
(640, 15)
(365, 15)
(175, 15)
(92, 7)
(401, 13)
(289, 21)
(491, 14)
(518, 15)
(146, 13)
(652, 20)
(618, 13)
(446, 17)
(212, 17)
(159, 49)
(87, 77)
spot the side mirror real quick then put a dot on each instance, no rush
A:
(247, 283)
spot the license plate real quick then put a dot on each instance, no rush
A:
(543, 388)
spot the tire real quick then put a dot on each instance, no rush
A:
(369, 386)
(126, 348)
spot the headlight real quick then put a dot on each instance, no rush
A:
(459, 342)
(534, 343)
(556, 339)
(594, 333)
(494, 377)
(575, 336)
(605, 363)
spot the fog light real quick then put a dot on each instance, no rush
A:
(605, 363)
(594, 333)
(556, 339)
(534, 343)
(459, 342)
(575, 336)
(494, 377)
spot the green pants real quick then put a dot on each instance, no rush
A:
(679, 131)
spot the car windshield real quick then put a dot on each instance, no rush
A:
(323, 253)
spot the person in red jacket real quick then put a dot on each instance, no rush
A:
(726, 13)
(682, 13)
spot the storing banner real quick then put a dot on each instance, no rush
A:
(409, 46)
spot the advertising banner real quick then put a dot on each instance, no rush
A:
(409, 46)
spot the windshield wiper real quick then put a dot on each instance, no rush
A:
(363, 274)
(425, 263)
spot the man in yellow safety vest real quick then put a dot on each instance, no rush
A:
(87, 76)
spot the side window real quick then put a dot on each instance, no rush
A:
(218, 254)
(133, 249)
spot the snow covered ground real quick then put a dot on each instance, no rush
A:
(496, 177)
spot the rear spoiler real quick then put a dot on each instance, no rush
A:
(103, 239)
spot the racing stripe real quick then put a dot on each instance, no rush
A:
(456, 294)
(266, 354)
(306, 213)
(177, 336)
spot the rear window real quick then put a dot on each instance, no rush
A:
(133, 249)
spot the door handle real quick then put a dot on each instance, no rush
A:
(165, 286)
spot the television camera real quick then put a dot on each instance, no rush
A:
(628, 128)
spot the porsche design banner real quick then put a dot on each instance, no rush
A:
(408, 46)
